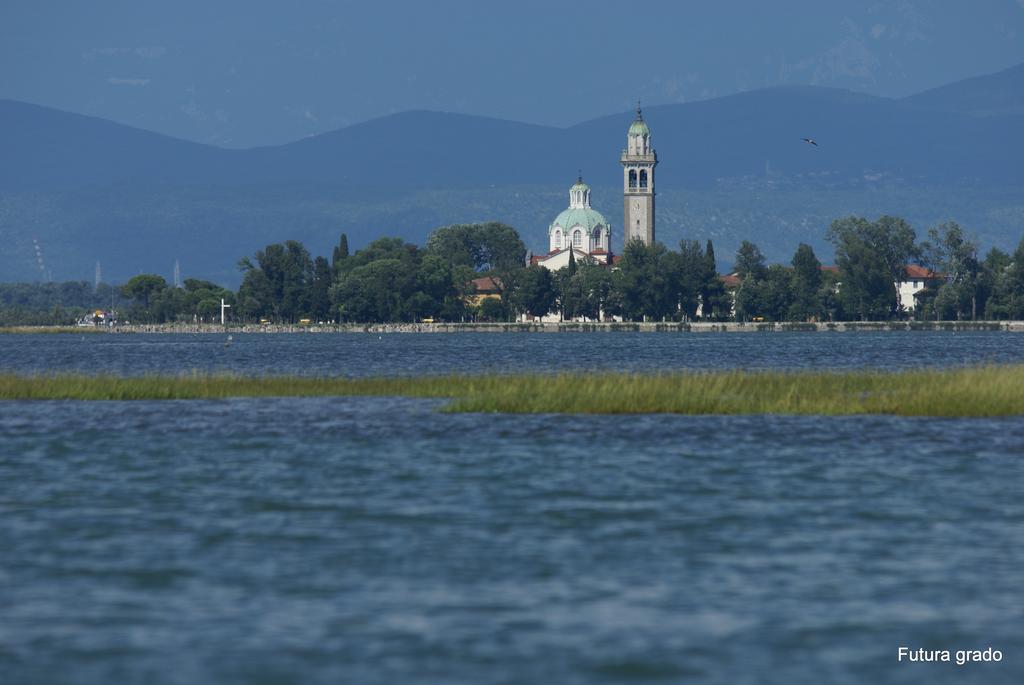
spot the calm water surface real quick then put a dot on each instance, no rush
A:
(375, 540)
(406, 353)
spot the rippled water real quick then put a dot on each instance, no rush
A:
(375, 540)
(406, 353)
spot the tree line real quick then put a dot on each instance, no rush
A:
(391, 280)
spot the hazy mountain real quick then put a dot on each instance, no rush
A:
(731, 168)
(990, 95)
(46, 149)
(238, 73)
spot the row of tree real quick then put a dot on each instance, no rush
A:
(40, 304)
(391, 280)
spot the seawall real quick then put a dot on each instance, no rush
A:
(574, 327)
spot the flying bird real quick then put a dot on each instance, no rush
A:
(810, 141)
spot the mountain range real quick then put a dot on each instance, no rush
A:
(75, 190)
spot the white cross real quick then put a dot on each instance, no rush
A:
(222, 308)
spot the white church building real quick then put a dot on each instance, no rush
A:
(580, 230)
(583, 232)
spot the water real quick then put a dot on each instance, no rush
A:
(404, 353)
(375, 540)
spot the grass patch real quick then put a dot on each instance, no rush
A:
(976, 391)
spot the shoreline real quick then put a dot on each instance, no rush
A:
(531, 327)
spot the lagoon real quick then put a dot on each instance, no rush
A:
(377, 540)
(357, 355)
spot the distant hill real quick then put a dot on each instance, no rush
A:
(47, 149)
(996, 94)
(735, 167)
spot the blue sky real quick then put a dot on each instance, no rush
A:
(241, 74)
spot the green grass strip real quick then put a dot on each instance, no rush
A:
(973, 391)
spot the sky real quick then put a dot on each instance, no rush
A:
(243, 74)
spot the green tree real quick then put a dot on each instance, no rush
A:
(490, 248)
(319, 290)
(994, 279)
(864, 251)
(441, 289)
(569, 294)
(594, 287)
(278, 283)
(768, 297)
(535, 291)
(340, 252)
(378, 291)
(688, 274)
(778, 293)
(643, 282)
(143, 287)
(891, 239)
(867, 289)
(1008, 293)
(806, 284)
(950, 253)
(494, 309)
(750, 262)
(828, 295)
(484, 247)
(716, 303)
(750, 268)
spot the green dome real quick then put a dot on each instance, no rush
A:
(639, 128)
(584, 217)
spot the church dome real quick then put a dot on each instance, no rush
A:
(639, 128)
(579, 226)
(584, 217)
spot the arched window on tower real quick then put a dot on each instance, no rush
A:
(643, 178)
(597, 238)
(558, 239)
(632, 178)
(577, 238)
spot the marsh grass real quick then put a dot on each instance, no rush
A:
(974, 391)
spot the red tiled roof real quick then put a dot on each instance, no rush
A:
(915, 272)
(729, 280)
(487, 284)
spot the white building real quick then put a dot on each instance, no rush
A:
(915, 279)
(583, 232)
(579, 230)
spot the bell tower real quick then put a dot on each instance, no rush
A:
(638, 162)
